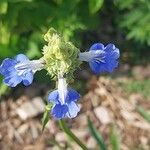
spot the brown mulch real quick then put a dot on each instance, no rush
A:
(106, 104)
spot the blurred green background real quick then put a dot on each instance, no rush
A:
(125, 23)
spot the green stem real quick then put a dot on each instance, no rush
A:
(71, 135)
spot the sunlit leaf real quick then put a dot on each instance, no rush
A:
(3, 7)
(95, 5)
(135, 19)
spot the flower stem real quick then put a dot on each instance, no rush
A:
(71, 134)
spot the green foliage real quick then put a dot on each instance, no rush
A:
(144, 113)
(114, 138)
(98, 137)
(135, 19)
(23, 22)
(3, 7)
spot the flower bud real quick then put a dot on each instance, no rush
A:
(60, 56)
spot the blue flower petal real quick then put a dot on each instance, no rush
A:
(7, 66)
(73, 110)
(53, 97)
(27, 78)
(100, 67)
(97, 46)
(21, 58)
(72, 95)
(97, 67)
(112, 50)
(12, 81)
(59, 111)
(7, 69)
(106, 63)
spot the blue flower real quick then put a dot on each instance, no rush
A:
(64, 101)
(101, 58)
(20, 69)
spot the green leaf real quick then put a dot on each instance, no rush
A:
(115, 140)
(95, 5)
(45, 118)
(98, 137)
(144, 113)
(3, 7)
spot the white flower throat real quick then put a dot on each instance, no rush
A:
(62, 89)
(34, 65)
(97, 55)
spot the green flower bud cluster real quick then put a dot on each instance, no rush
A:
(61, 57)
